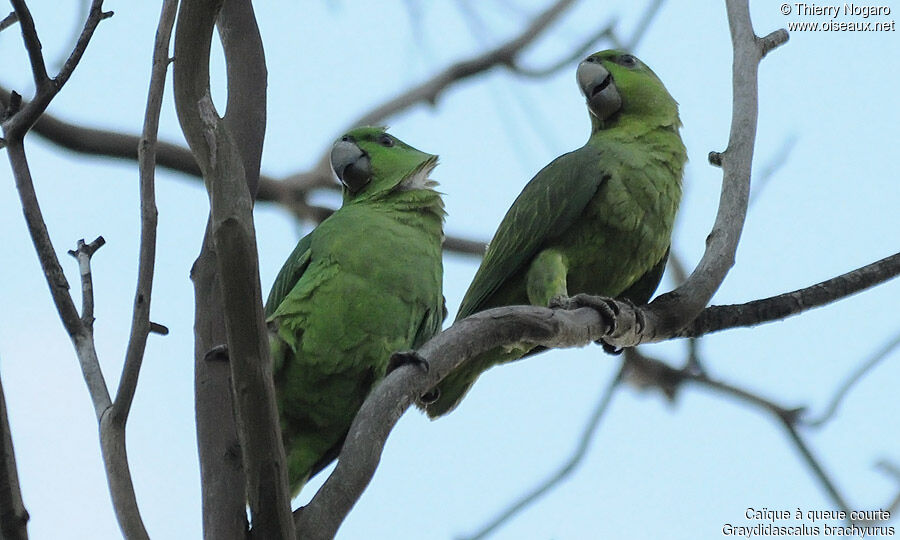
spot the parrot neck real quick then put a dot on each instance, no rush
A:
(662, 117)
(411, 203)
(631, 126)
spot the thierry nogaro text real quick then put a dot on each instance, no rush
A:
(838, 10)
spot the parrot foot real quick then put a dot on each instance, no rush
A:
(402, 358)
(219, 353)
(604, 306)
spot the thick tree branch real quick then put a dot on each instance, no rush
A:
(13, 516)
(224, 161)
(717, 318)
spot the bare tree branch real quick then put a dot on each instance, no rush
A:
(668, 379)
(8, 21)
(16, 123)
(112, 425)
(565, 470)
(429, 91)
(607, 32)
(894, 472)
(854, 378)
(83, 253)
(140, 322)
(13, 516)
(814, 464)
(717, 318)
(228, 167)
(292, 192)
(644, 25)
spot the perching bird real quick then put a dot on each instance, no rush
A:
(364, 284)
(596, 221)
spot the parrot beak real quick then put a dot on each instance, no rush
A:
(351, 165)
(599, 88)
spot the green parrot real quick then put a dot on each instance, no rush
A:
(364, 284)
(596, 221)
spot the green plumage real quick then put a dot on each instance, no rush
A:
(597, 220)
(364, 284)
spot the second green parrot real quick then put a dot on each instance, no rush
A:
(364, 284)
(597, 220)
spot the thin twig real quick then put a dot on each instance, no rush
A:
(787, 417)
(292, 191)
(854, 378)
(565, 470)
(643, 25)
(46, 88)
(814, 465)
(83, 254)
(56, 279)
(32, 46)
(606, 32)
(140, 321)
(8, 21)
(15, 125)
(503, 55)
(893, 471)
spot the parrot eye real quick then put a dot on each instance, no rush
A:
(386, 140)
(591, 59)
(626, 60)
(347, 138)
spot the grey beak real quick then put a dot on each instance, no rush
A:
(351, 165)
(599, 89)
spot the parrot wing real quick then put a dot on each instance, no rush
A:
(289, 274)
(547, 206)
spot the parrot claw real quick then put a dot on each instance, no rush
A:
(219, 353)
(430, 396)
(604, 306)
(402, 358)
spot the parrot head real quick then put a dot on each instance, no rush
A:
(369, 161)
(616, 84)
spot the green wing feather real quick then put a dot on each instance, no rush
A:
(289, 274)
(547, 206)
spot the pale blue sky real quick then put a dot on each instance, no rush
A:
(655, 470)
